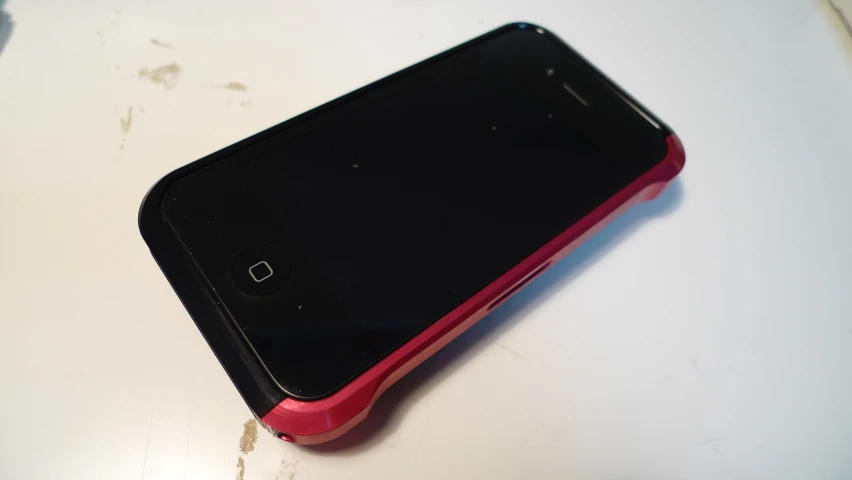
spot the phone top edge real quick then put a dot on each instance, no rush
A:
(276, 129)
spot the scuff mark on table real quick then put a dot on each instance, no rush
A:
(633, 475)
(148, 440)
(694, 362)
(160, 44)
(509, 350)
(713, 442)
(287, 469)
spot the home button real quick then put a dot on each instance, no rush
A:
(260, 270)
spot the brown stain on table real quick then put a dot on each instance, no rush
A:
(241, 468)
(235, 86)
(166, 75)
(126, 122)
(249, 438)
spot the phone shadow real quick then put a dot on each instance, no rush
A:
(6, 26)
(387, 413)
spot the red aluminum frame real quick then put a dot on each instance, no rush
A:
(312, 422)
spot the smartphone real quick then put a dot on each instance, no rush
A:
(326, 257)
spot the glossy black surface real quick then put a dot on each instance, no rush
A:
(380, 215)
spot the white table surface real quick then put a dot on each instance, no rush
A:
(706, 335)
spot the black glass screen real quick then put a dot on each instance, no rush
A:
(364, 222)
